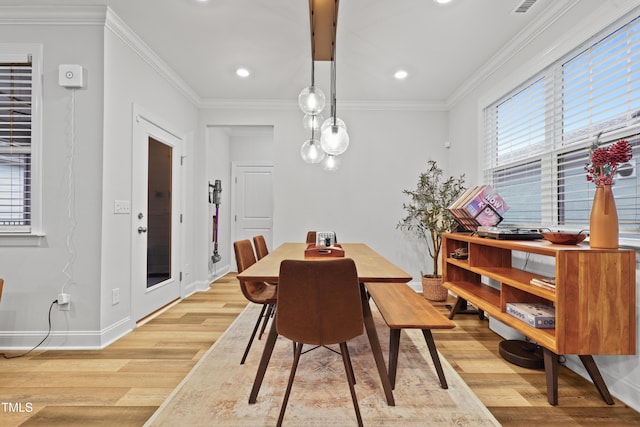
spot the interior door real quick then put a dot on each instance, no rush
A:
(253, 191)
(156, 218)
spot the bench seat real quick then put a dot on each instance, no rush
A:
(402, 308)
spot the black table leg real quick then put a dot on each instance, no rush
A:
(374, 342)
(264, 360)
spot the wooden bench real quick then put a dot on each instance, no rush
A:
(403, 308)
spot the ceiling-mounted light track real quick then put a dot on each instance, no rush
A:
(323, 24)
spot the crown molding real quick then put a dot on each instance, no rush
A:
(52, 15)
(96, 15)
(597, 21)
(278, 104)
(118, 27)
(549, 15)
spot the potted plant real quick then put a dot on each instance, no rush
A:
(427, 215)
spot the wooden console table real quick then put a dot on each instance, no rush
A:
(594, 300)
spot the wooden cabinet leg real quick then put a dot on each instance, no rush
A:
(598, 381)
(551, 373)
(460, 307)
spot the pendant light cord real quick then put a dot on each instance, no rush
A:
(333, 65)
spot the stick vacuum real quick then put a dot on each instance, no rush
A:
(217, 189)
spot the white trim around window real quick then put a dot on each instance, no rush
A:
(29, 235)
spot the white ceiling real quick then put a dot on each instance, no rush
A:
(442, 47)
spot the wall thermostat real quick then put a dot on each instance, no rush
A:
(70, 75)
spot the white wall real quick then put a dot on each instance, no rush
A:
(218, 166)
(363, 200)
(34, 275)
(130, 80)
(588, 17)
(116, 78)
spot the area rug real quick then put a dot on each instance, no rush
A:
(216, 391)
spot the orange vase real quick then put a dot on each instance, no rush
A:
(603, 222)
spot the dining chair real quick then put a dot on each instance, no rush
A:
(261, 246)
(311, 237)
(256, 292)
(319, 303)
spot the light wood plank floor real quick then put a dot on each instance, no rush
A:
(124, 384)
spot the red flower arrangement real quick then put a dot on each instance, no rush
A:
(604, 161)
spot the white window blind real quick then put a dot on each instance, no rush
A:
(15, 143)
(537, 138)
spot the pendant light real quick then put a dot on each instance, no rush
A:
(311, 99)
(331, 163)
(312, 121)
(334, 138)
(311, 151)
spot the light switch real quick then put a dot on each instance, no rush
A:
(122, 207)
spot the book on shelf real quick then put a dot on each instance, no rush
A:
(538, 315)
(479, 205)
(544, 282)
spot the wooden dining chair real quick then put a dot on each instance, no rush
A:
(261, 246)
(311, 237)
(319, 303)
(256, 292)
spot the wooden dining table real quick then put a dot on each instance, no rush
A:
(371, 267)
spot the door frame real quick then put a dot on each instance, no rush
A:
(177, 243)
(234, 200)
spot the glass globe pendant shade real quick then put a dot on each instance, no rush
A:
(331, 163)
(312, 121)
(334, 138)
(311, 151)
(311, 100)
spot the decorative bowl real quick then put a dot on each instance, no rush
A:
(563, 237)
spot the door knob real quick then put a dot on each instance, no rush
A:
(142, 230)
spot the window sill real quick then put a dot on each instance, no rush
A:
(21, 239)
(629, 244)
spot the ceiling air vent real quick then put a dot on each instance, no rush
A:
(524, 6)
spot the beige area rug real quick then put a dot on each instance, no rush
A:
(216, 391)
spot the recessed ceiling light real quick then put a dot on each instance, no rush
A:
(242, 72)
(401, 74)
(442, 1)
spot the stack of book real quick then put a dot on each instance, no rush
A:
(545, 282)
(479, 206)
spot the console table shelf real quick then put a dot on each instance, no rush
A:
(594, 297)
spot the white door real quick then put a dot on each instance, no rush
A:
(253, 194)
(155, 218)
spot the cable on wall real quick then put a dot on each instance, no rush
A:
(4, 355)
(71, 252)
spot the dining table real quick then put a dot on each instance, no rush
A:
(370, 266)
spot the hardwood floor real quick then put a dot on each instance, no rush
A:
(124, 384)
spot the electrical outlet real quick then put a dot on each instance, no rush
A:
(64, 302)
(115, 296)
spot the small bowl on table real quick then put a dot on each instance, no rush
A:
(563, 237)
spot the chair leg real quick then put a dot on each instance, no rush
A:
(253, 334)
(296, 359)
(270, 310)
(348, 368)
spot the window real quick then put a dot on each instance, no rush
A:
(537, 138)
(18, 143)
